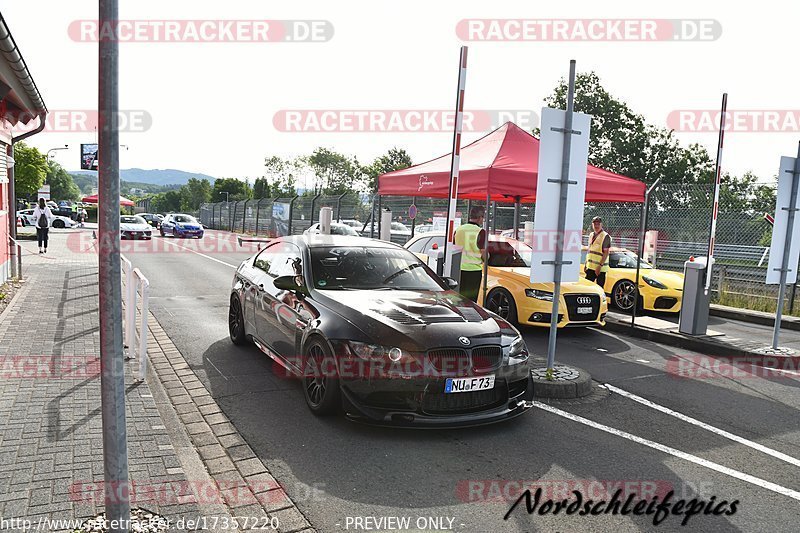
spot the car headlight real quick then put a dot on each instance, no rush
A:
(539, 295)
(517, 352)
(375, 352)
(654, 283)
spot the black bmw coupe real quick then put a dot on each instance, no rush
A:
(371, 330)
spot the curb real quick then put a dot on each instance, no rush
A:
(754, 317)
(247, 487)
(704, 345)
(564, 389)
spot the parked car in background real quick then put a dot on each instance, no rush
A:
(353, 223)
(134, 227)
(418, 354)
(513, 296)
(181, 225)
(659, 290)
(336, 229)
(152, 219)
(423, 228)
(398, 228)
(26, 216)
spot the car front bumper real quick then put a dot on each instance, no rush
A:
(535, 312)
(422, 402)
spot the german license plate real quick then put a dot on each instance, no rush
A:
(468, 384)
(585, 310)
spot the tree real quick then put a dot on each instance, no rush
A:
(236, 189)
(195, 193)
(622, 142)
(166, 202)
(30, 170)
(335, 173)
(394, 159)
(62, 186)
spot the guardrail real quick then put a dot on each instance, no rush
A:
(135, 297)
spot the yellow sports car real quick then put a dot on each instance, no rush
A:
(515, 298)
(660, 290)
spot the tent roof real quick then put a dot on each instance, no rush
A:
(93, 200)
(505, 163)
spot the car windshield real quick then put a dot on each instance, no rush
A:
(131, 220)
(186, 219)
(509, 254)
(362, 267)
(625, 260)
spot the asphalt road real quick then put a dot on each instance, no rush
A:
(339, 472)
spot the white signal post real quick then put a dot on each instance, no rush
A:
(715, 211)
(452, 198)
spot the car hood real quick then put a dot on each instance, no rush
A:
(416, 320)
(673, 280)
(134, 227)
(524, 273)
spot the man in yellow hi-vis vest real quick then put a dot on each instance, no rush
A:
(597, 257)
(471, 238)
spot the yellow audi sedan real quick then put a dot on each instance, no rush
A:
(515, 298)
(660, 290)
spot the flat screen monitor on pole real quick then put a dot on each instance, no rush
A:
(89, 156)
(548, 192)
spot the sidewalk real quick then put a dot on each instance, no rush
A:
(724, 337)
(51, 455)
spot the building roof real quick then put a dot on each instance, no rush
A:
(23, 102)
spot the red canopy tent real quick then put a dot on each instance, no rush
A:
(122, 200)
(505, 164)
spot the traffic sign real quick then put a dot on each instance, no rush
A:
(546, 233)
(412, 211)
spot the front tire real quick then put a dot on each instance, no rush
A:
(59, 224)
(320, 383)
(236, 322)
(624, 295)
(501, 303)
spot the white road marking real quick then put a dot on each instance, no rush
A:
(795, 495)
(202, 254)
(708, 427)
(642, 361)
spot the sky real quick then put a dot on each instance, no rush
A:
(211, 107)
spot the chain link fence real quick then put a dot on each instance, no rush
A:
(679, 213)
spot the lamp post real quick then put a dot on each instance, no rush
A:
(65, 147)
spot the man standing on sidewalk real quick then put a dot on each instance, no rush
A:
(471, 238)
(597, 257)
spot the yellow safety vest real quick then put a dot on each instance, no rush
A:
(595, 253)
(467, 238)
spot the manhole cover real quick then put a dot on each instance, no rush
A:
(560, 373)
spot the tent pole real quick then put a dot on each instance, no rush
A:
(486, 244)
(516, 218)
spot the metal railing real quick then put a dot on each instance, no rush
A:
(135, 298)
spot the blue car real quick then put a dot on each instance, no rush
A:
(180, 225)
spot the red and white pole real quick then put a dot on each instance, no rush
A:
(454, 165)
(713, 233)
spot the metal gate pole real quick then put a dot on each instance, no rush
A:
(112, 377)
(642, 231)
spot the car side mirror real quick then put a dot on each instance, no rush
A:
(451, 283)
(287, 283)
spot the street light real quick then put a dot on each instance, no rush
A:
(66, 146)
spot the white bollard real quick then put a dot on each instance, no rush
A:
(325, 217)
(386, 225)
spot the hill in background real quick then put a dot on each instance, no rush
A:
(167, 176)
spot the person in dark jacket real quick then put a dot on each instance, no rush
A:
(44, 219)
